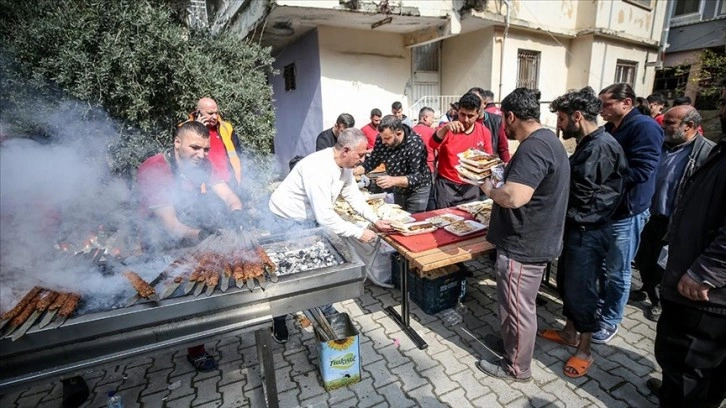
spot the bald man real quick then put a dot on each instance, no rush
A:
(225, 145)
(684, 150)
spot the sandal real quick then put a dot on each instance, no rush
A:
(203, 362)
(576, 367)
(555, 337)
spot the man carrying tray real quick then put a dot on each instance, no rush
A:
(452, 139)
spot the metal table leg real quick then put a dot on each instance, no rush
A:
(267, 366)
(403, 319)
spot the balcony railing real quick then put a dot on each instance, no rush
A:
(439, 103)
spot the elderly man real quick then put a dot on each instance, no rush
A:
(528, 220)
(451, 139)
(684, 151)
(690, 342)
(175, 206)
(641, 139)
(371, 129)
(597, 168)
(327, 138)
(308, 193)
(404, 154)
(224, 143)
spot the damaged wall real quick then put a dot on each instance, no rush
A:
(362, 70)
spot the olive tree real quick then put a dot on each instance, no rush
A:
(134, 60)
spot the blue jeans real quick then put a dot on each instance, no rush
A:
(616, 273)
(415, 201)
(578, 270)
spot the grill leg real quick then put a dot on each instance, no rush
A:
(403, 320)
(267, 366)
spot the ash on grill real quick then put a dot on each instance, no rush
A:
(295, 260)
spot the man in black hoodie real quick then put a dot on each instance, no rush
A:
(404, 154)
(690, 343)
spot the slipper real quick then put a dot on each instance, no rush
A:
(554, 336)
(576, 367)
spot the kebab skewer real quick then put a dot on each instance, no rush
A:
(46, 298)
(21, 317)
(7, 316)
(270, 266)
(144, 289)
(53, 309)
(69, 306)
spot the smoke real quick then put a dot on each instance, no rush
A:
(58, 192)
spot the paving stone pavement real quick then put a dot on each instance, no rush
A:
(394, 372)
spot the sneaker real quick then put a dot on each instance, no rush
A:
(279, 331)
(494, 369)
(653, 313)
(637, 296)
(202, 362)
(605, 334)
(654, 385)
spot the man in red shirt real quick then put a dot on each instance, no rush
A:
(488, 103)
(371, 129)
(450, 140)
(175, 207)
(423, 128)
(224, 143)
(657, 103)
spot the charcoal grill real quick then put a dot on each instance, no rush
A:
(101, 337)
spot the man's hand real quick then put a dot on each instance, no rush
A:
(455, 127)
(487, 186)
(201, 118)
(364, 182)
(367, 236)
(383, 225)
(386, 182)
(692, 289)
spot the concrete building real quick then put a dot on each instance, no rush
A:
(693, 25)
(337, 56)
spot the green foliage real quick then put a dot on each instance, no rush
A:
(135, 60)
(713, 71)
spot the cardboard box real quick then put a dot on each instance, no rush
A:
(339, 359)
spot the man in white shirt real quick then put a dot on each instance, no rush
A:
(310, 190)
(307, 195)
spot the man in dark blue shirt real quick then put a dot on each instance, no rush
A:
(641, 139)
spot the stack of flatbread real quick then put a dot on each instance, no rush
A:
(477, 165)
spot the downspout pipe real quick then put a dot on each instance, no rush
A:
(664, 37)
(504, 42)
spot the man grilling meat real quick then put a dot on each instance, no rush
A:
(307, 194)
(177, 208)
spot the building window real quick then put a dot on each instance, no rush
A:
(684, 7)
(646, 4)
(625, 72)
(528, 69)
(289, 75)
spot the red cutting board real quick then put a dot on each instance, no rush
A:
(438, 238)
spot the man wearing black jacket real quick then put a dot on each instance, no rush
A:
(690, 343)
(684, 151)
(597, 169)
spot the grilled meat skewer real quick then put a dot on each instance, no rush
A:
(69, 306)
(53, 309)
(141, 286)
(21, 317)
(46, 298)
(23, 302)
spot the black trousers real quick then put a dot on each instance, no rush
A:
(690, 347)
(651, 243)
